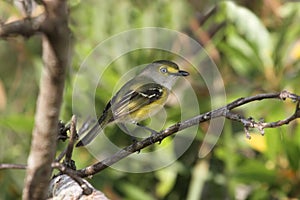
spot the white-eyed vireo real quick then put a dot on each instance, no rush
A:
(139, 98)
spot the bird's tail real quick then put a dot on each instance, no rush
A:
(100, 124)
(89, 136)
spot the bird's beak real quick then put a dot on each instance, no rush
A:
(182, 73)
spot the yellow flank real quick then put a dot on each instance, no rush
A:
(150, 109)
(140, 98)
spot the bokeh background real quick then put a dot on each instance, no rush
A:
(256, 47)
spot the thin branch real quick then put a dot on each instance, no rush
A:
(220, 112)
(73, 138)
(61, 155)
(224, 111)
(63, 136)
(12, 166)
(25, 27)
(63, 169)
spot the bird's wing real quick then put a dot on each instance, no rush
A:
(136, 99)
(121, 106)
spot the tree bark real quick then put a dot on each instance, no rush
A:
(64, 187)
(56, 56)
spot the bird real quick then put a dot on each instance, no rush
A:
(139, 98)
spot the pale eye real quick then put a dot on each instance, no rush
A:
(163, 70)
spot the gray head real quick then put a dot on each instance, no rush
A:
(164, 72)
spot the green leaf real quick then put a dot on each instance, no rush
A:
(134, 192)
(292, 152)
(251, 28)
(167, 179)
(254, 171)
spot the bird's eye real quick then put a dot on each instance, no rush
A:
(163, 70)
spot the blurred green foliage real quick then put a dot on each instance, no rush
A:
(256, 46)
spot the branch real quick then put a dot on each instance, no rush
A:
(25, 27)
(225, 111)
(86, 189)
(69, 151)
(12, 166)
(221, 112)
(77, 187)
(56, 55)
(64, 187)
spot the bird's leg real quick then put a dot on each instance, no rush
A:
(153, 132)
(124, 128)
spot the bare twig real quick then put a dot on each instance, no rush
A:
(73, 138)
(12, 166)
(61, 155)
(225, 111)
(65, 170)
(25, 27)
(221, 112)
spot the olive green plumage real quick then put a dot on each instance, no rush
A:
(139, 98)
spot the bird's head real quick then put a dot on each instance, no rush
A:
(164, 72)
